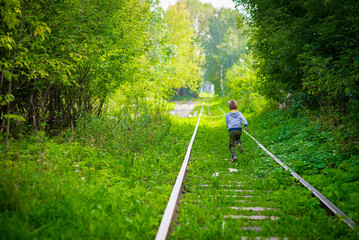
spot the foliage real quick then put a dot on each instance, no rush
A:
(323, 154)
(64, 60)
(208, 197)
(197, 15)
(109, 170)
(241, 82)
(224, 45)
(308, 48)
(60, 57)
(200, 14)
(119, 169)
(187, 59)
(91, 79)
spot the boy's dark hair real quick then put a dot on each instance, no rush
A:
(232, 104)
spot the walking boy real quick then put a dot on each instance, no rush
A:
(234, 120)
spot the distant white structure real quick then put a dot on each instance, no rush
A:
(207, 87)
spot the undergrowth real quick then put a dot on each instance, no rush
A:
(110, 178)
(321, 149)
(213, 193)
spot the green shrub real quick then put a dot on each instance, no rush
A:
(109, 178)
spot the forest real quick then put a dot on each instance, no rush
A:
(87, 86)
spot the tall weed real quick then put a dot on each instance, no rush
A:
(109, 178)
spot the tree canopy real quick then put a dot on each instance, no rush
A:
(306, 48)
(61, 60)
(224, 45)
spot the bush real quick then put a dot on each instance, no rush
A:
(117, 171)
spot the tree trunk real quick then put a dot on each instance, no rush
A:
(10, 82)
(70, 105)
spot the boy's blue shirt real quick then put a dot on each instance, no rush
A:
(234, 120)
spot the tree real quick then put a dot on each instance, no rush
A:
(62, 59)
(306, 48)
(187, 59)
(223, 47)
(242, 84)
(200, 14)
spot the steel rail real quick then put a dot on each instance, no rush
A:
(171, 205)
(315, 192)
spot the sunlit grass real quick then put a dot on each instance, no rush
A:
(111, 171)
(206, 95)
(208, 198)
(98, 182)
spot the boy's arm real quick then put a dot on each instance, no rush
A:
(244, 121)
(226, 120)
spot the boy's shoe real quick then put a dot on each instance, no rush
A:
(234, 158)
(240, 148)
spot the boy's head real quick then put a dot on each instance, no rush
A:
(232, 105)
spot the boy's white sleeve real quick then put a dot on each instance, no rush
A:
(244, 121)
(227, 120)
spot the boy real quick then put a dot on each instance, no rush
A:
(234, 120)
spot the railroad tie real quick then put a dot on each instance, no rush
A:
(252, 217)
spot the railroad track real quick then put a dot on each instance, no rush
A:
(253, 199)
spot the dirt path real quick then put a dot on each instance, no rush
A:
(184, 108)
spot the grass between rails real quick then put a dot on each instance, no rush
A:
(208, 198)
(105, 181)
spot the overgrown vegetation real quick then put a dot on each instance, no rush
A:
(306, 50)
(212, 192)
(304, 59)
(242, 84)
(87, 138)
(326, 157)
(110, 178)
(63, 60)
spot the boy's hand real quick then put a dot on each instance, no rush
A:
(245, 128)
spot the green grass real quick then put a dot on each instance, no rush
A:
(205, 95)
(184, 98)
(104, 181)
(203, 208)
(111, 179)
(171, 105)
(318, 153)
